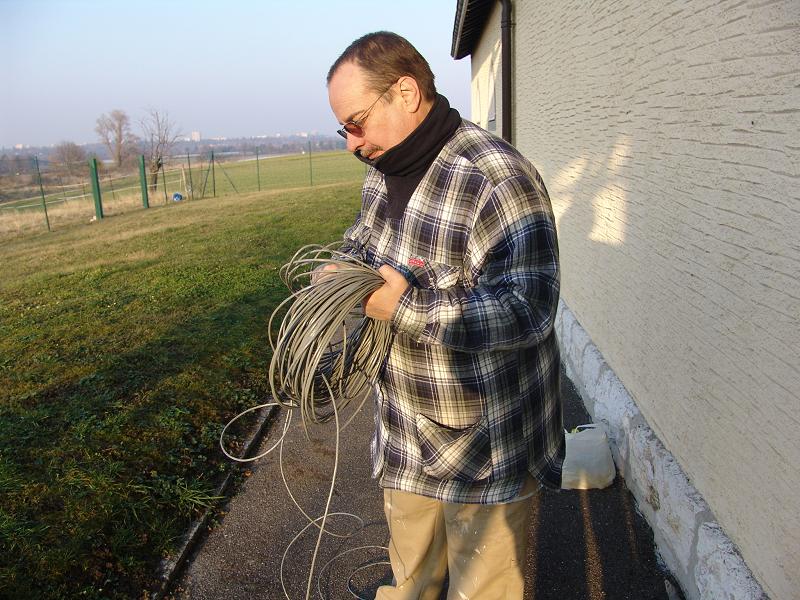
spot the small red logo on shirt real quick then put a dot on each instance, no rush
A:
(416, 261)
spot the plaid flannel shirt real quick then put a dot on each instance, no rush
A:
(468, 402)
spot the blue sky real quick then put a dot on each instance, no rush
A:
(233, 68)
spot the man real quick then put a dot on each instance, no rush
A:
(468, 415)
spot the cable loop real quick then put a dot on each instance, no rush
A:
(325, 354)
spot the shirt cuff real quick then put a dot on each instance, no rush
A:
(411, 315)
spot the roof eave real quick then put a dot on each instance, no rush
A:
(470, 21)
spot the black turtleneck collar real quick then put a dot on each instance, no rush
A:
(404, 165)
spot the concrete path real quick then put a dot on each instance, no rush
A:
(584, 544)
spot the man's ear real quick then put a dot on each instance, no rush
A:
(410, 93)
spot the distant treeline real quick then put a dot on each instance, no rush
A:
(13, 161)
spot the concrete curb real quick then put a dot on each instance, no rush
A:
(704, 561)
(170, 568)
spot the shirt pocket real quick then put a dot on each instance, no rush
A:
(458, 454)
(434, 275)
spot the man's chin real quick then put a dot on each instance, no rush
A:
(369, 155)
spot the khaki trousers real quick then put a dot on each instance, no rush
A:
(482, 546)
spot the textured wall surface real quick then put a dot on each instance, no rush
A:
(668, 135)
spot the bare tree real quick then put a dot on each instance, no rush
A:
(160, 134)
(115, 133)
(70, 157)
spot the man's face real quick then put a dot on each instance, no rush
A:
(387, 123)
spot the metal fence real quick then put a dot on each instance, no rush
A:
(37, 196)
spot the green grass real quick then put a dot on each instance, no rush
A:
(278, 172)
(125, 346)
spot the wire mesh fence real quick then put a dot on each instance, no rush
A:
(38, 196)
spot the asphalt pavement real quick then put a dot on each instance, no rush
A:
(583, 544)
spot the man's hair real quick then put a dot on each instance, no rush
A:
(386, 57)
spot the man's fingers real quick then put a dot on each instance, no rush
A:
(318, 273)
(382, 302)
(392, 276)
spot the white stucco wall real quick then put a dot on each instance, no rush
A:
(487, 80)
(667, 133)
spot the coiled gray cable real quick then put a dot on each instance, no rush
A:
(324, 341)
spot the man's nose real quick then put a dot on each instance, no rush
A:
(353, 142)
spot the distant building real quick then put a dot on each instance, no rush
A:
(196, 137)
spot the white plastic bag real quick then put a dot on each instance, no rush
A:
(588, 463)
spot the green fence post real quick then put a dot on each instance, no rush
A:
(143, 182)
(164, 181)
(310, 167)
(205, 180)
(258, 172)
(98, 202)
(191, 183)
(213, 177)
(41, 190)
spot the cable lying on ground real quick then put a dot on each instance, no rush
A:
(326, 354)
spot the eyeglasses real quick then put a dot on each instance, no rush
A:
(356, 127)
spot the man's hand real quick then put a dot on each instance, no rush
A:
(319, 273)
(382, 302)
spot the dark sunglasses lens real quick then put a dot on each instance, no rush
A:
(353, 129)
